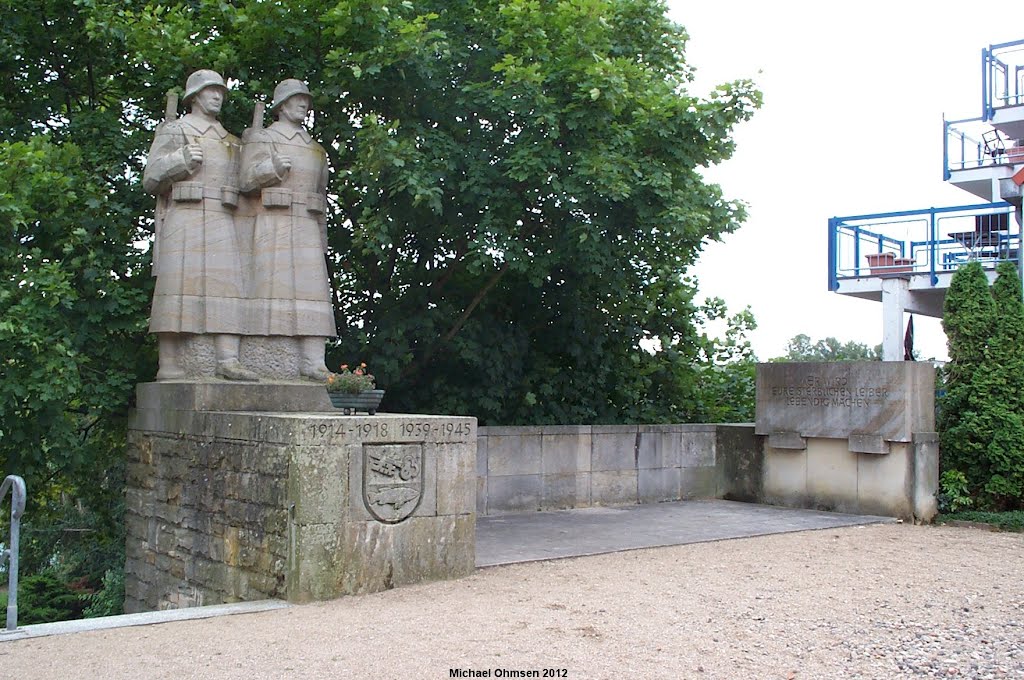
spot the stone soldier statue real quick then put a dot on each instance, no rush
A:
(193, 171)
(290, 292)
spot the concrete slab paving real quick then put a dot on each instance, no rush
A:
(527, 537)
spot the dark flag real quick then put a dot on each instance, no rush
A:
(908, 341)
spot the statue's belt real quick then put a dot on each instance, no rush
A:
(276, 197)
(187, 192)
(272, 197)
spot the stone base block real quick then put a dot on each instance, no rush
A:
(223, 395)
(229, 506)
(828, 476)
(273, 357)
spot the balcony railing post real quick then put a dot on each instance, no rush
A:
(833, 255)
(984, 83)
(856, 251)
(945, 150)
(1006, 84)
(933, 242)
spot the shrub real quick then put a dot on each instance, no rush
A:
(44, 597)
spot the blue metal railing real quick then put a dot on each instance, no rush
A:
(1002, 77)
(926, 241)
(972, 143)
(10, 554)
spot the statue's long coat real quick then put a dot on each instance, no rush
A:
(196, 257)
(289, 290)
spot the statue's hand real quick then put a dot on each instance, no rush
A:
(282, 164)
(193, 154)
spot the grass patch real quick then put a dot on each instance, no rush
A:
(1007, 521)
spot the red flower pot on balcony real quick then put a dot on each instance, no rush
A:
(880, 263)
(902, 265)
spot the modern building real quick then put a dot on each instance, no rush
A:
(905, 260)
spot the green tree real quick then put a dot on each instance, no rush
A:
(73, 288)
(518, 195)
(968, 319)
(516, 199)
(726, 369)
(527, 209)
(981, 420)
(965, 428)
(1001, 381)
(802, 348)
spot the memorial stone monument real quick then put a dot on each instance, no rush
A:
(243, 482)
(851, 436)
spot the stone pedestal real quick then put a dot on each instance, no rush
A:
(272, 357)
(855, 436)
(228, 505)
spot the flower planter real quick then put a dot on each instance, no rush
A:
(351, 403)
(880, 263)
(902, 265)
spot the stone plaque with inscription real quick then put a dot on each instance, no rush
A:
(889, 400)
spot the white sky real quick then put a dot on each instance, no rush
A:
(854, 95)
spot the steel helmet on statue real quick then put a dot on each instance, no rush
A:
(202, 79)
(288, 88)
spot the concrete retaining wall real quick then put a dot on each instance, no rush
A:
(854, 436)
(825, 474)
(522, 469)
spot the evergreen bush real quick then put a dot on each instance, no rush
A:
(981, 419)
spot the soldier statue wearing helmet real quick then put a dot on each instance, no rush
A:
(193, 171)
(287, 170)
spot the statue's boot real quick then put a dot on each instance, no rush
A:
(232, 369)
(169, 372)
(312, 364)
(228, 366)
(169, 347)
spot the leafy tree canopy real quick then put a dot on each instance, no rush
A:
(516, 198)
(802, 348)
(517, 183)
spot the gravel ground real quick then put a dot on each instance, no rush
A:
(882, 601)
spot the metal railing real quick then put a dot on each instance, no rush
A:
(927, 241)
(972, 143)
(1002, 77)
(10, 554)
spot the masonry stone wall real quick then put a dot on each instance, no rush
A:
(207, 521)
(230, 506)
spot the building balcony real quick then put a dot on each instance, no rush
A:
(922, 248)
(1002, 78)
(981, 160)
(983, 155)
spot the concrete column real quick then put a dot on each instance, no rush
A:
(895, 293)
